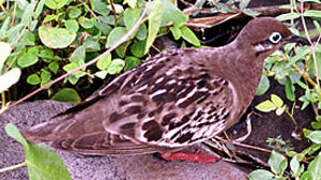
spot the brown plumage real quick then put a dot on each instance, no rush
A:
(172, 101)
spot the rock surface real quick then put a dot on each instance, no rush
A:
(96, 167)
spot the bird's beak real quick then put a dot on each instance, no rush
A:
(297, 39)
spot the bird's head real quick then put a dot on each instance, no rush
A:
(262, 36)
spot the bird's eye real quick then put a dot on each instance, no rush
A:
(275, 37)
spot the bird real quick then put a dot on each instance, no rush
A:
(172, 101)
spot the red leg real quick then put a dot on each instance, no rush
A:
(190, 157)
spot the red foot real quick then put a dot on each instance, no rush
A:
(190, 157)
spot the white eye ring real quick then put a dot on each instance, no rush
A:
(275, 37)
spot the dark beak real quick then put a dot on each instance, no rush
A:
(297, 39)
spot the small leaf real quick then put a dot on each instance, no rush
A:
(13, 132)
(67, 95)
(56, 38)
(86, 23)
(79, 55)
(244, 3)
(275, 161)
(72, 25)
(266, 106)
(189, 36)
(54, 67)
(276, 100)
(288, 16)
(154, 23)
(314, 168)
(45, 75)
(99, 7)
(261, 174)
(104, 62)
(5, 50)
(55, 4)
(294, 165)
(263, 85)
(115, 35)
(142, 32)
(33, 79)
(279, 111)
(312, 13)
(9, 78)
(176, 32)
(289, 89)
(74, 13)
(131, 16)
(131, 62)
(250, 12)
(116, 66)
(315, 136)
(101, 74)
(137, 49)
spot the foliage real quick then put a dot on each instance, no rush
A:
(296, 67)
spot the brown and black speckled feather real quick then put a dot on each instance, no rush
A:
(173, 100)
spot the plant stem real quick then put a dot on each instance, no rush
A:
(3, 99)
(291, 117)
(13, 167)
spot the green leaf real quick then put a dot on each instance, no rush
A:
(137, 49)
(115, 35)
(294, 165)
(5, 50)
(56, 38)
(266, 106)
(142, 32)
(316, 125)
(154, 23)
(261, 174)
(39, 9)
(250, 12)
(26, 16)
(27, 59)
(67, 95)
(55, 4)
(289, 89)
(85, 22)
(263, 85)
(54, 67)
(276, 100)
(314, 168)
(72, 25)
(101, 74)
(288, 16)
(189, 36)
(33, 79)
(131, 16)
(42, 162)
(244, 3)
(275, 161)
(45, 75)
(74, 13)
(131, 62)
(99, 7)
(13, 132)
(176, 32)
(312, 13)
(103, 63)
(121, 50)
(79, 55)
(171, 14)
(92, 45)
(279, 111)
(116, 66)
(315, 136)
